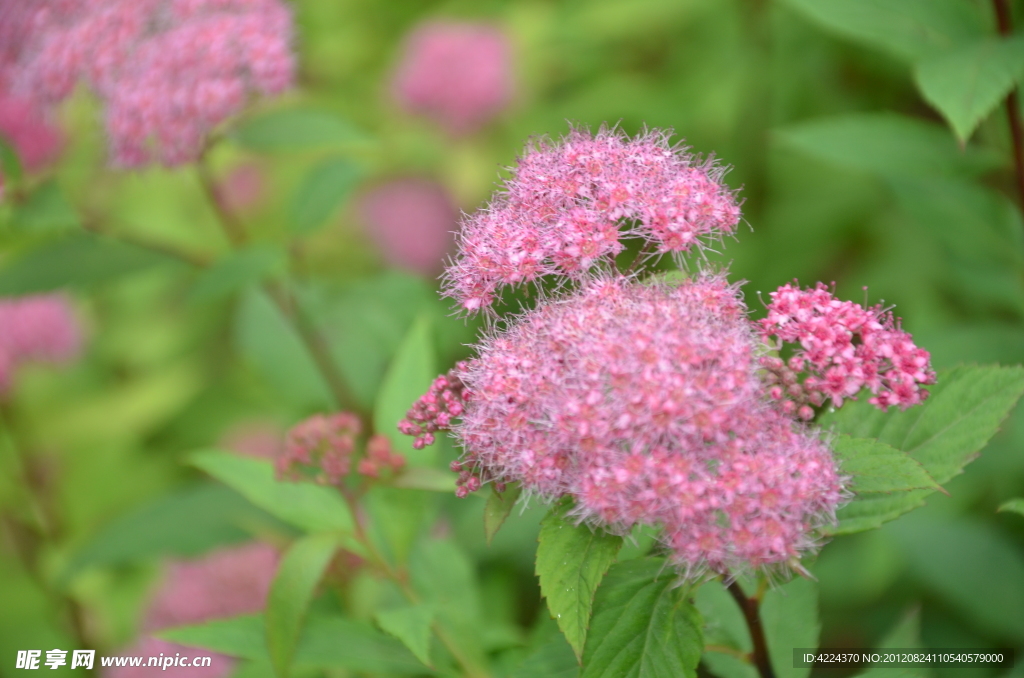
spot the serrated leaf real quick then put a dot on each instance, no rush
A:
(886, 145)
(1014, 506)
(908, 29)
(235, 272)
(877, 467)
(323, 190)
(74, 261)
(309, 507)
(291, 591)
(185, 522)
(789, 614)
(964, 411)
(571, 562)
(411, 625)
(643, 626)
(409, 375)
(295, 129)
(499, 506)
(46, 209)
(966, 83)
(266, 338)
(327, 642)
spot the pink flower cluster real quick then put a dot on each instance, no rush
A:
(168, 71)
(437, 409)
(25, 127)
(380, 458)
(226, 583)
(38, 328)
(843, 348)
(562, 211)
(643, 403)
(411, 221)
(459, 74)
(322, 446)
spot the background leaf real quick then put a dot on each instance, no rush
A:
(789, 614)
(237, 271)
(295, 129)
(499, 505)
(323, 190)
(46, 209)
(409, 376)
(300, 571)
(411, 625)
(571, 562)
(1014, 505)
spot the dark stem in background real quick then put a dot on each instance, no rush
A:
(1004, 23)
(752, 615)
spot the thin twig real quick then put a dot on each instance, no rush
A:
(752, 615)
(1005, 26)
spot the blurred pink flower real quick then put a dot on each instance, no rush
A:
(320, 447)
(412, 222)
(26, 128)
(228, 582)
(243, 188)
(258, 439)
(37, 328)
(563, 210)
(169, 71)
(459, 74)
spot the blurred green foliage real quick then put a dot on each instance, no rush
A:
(871, 149)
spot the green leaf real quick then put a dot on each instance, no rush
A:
(908, 29)
(499, 506)
(789, 614)
(290, 594)
(295, 129)
(1014, 506)
(411, 625)
(724, 628)
(309, 507)
(75, 261)
(410, 374)
(425, 478)
(324, 189)
(972, 566)
(445, 579)
(887, 145)
(327, 642)
(877, 467)
(186, 522)
(237, 271)
(46, 210)
(965, 84)
(643, 626)
(398, 518)
(964, 411)
(906, 634)
(10, 163)
(266, 338)
(571, 562)
(551, 659)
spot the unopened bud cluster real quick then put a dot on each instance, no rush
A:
(645, 401)
(321, 448)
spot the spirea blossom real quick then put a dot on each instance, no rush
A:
(643, 403)
(226, 583)
(842, 347)
(568, 206)
(168, 71)
(26, 128)
(411, 221)
(37, 328)
(321, 445)
(459, 74)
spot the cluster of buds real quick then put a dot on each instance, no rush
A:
(785, 388)
(379, 458)
(437, 409)
(842, 348)
(320, 448)
(473, 476)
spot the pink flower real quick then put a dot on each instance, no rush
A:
(37, 328)
(320, 447)
(412, 222)
(169, 71)
(243, 188)
(567, 207)
(643, 402)
(843, 348)
(25, 127)
(226, 583)
(258, 439)
(458, 74)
